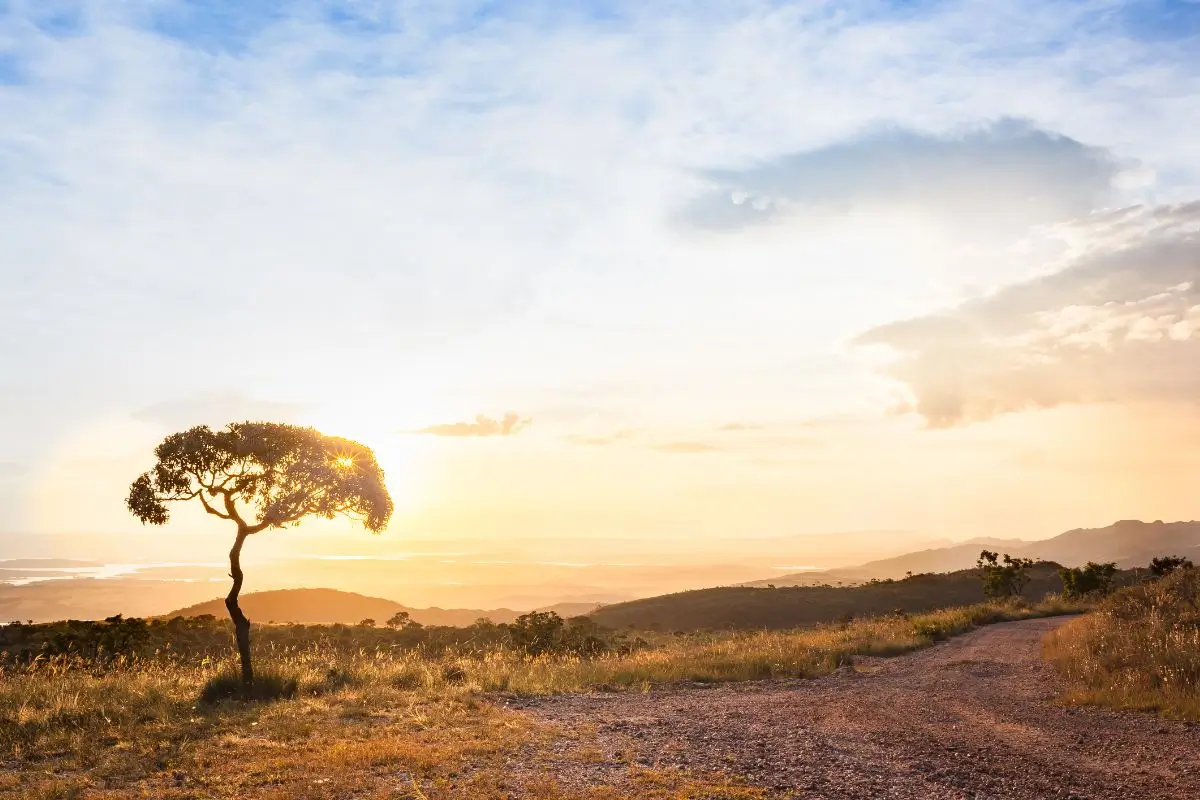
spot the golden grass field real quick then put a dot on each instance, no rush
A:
(377, 724)
(1139, 650)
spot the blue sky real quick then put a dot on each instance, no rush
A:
(383, 217)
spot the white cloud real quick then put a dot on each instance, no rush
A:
(1001, 177)
(1114, 324)
(297, 205)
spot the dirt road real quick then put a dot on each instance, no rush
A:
(974, 717)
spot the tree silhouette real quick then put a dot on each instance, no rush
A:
(261, 475)
(1003, 579)
(399, 620)
(1164, 565)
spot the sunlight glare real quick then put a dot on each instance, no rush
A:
(404, 459)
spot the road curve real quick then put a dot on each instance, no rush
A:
(974, 717)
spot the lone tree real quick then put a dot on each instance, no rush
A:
(1005, 578)
(261, 475)
(399, 620)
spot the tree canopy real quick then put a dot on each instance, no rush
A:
(263, 475)
(1006, 578)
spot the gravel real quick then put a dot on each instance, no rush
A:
(974, 717)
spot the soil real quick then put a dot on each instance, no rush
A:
(978, 716)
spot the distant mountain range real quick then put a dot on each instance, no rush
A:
(326, 606)
(1130, 543)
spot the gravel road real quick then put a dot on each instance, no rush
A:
(974, 717)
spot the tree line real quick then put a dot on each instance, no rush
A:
(1005, 577)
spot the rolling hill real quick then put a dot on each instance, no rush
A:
(794, 606)
(326, 606)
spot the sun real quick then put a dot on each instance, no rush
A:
(406, 460)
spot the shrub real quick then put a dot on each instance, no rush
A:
(544, 632)
(537, 632)
(1092, 580)
(1164, 565)
(453, 673)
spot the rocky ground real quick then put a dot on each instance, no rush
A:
(974, 717)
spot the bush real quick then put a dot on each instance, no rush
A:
(537, 632)
(1164, 565)
(453, 673)
(267, 687)
(1092, 580)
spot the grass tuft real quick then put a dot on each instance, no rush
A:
(268, 687)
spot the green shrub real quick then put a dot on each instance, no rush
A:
(1092, 580)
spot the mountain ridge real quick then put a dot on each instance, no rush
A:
(1130, 543)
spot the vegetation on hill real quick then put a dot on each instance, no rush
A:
(1092, 579)
(76, 645)
(1139, 649)
(793, 606)
(332, 606)
(1003, 578)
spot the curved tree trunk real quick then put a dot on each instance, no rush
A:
(241, 625)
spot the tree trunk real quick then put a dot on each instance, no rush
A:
(241, 625)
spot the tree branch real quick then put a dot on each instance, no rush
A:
(255, 528)
(231, 509)
(210, 509)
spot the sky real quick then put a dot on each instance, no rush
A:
(606, 269)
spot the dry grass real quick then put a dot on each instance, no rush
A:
(376, 724)
(1139, 650)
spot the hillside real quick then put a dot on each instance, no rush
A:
(792, 606)
(1130, 543)
(322, 606)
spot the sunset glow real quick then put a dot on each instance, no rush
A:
(621, 398)
(633, 293)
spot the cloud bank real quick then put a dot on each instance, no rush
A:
(686, 447)
(510, 424)
(1119, 321)
(1006, 174)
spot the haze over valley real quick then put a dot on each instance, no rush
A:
(517, 573)
(481, 579)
